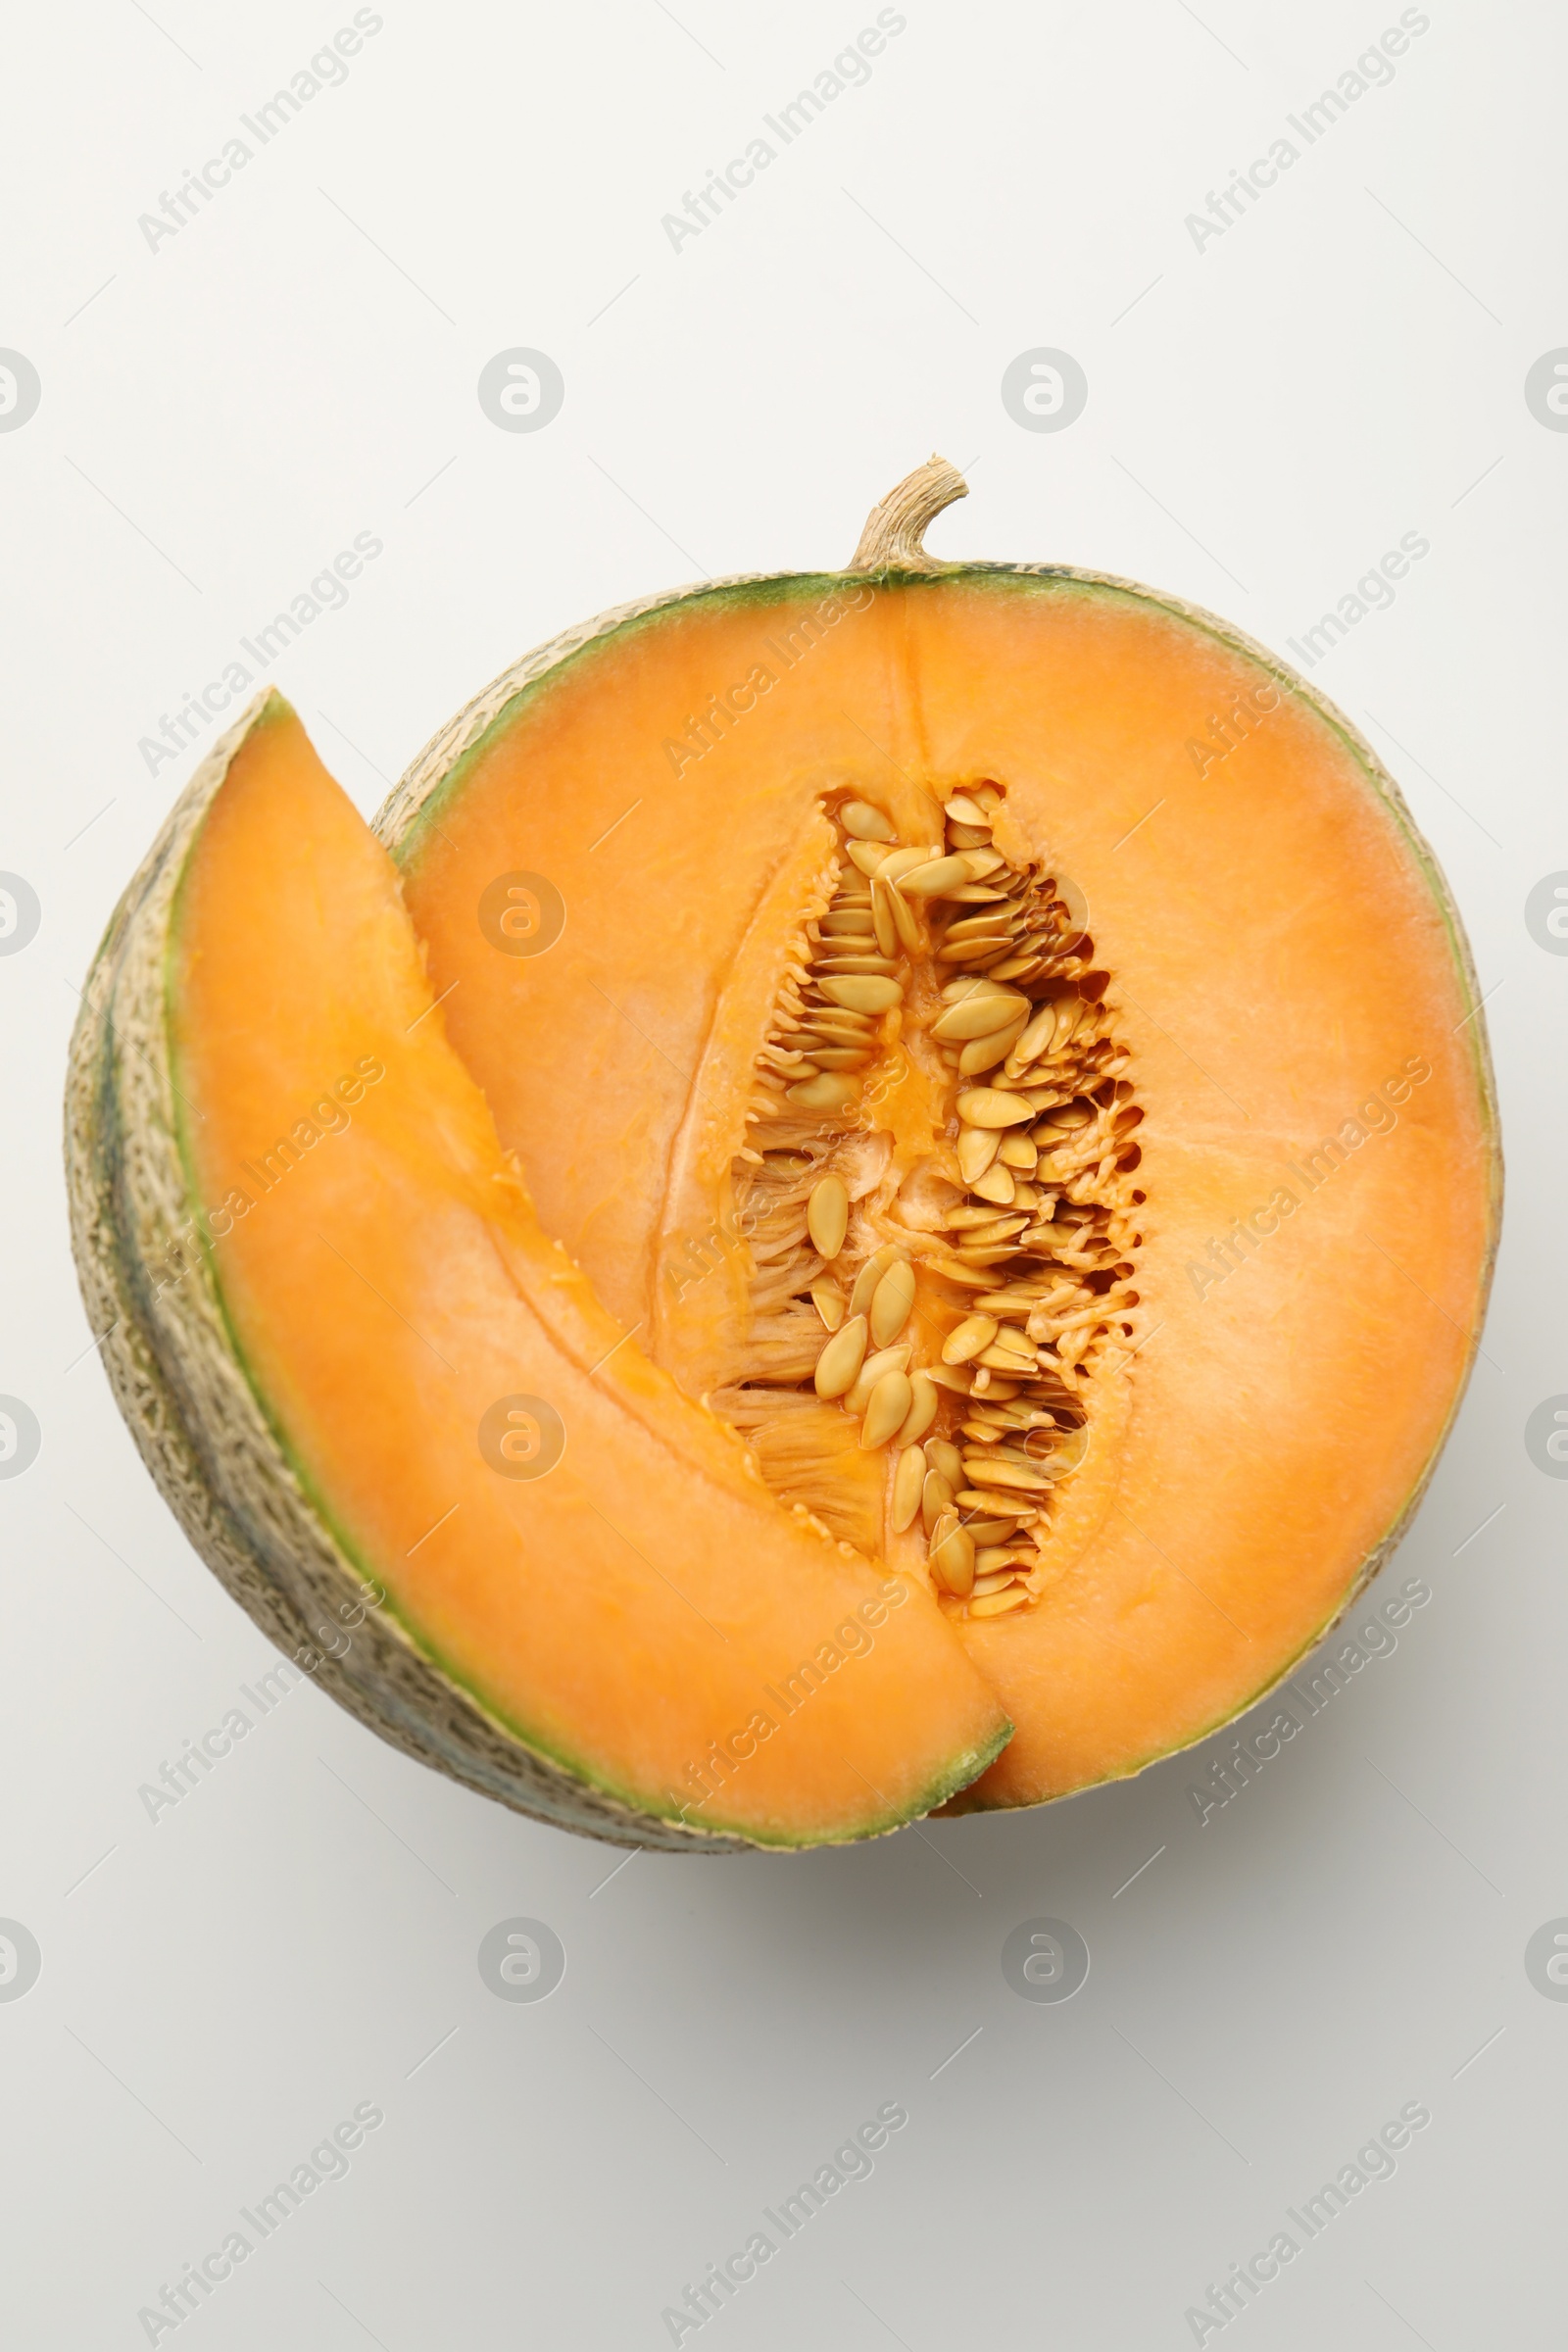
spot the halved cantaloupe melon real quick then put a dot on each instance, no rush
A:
(914, 1154)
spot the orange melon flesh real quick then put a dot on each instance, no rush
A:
(1281, 957)
(645, 1598)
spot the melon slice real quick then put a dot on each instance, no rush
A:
(361, 1366)
(891, 1155)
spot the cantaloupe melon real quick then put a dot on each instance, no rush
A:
(885, 1200)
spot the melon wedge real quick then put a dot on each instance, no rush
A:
(353, 1355)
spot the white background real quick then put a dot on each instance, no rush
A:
(1267, 416)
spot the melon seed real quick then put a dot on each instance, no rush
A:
(946, 1459)
(844, 956)
(930, 880)
(996, 1184)
(983, 1105)
(999, 924)
(864, 992)
(899, 863)
(866, 823)
(908, 1480)
(840, 1057)
(954, 1561)
(998, 1605)
(1038, 1035)
(827, 1215)
(977, 1015)
(923, 1408)
(984, 1053)
(847, 1027)
(885, 1411)
(982, 1472)
(891, 1302)
(870, 1274)
(875, 1367)
(830, 1090)
(936, 1497)
(973, 984)
(841, 1359)
(884, 920)
(992, 1531)
(972, 1333)
(977, 1149)
(828, 1300)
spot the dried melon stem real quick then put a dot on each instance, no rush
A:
(933, 1304)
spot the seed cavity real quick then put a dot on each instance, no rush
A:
(927, 1385)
